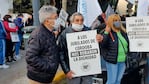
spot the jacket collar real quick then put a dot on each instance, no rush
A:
(46, 29)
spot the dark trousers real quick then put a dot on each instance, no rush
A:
(9, 50)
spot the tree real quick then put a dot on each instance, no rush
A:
(21, 6)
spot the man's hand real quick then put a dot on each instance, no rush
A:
(99, 38)
(69, 75)
(56, 33)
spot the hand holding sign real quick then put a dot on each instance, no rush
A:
(70, 74)
(84, 54)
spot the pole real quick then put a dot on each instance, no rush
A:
(36, 5)
(47, 2)
(64, 4)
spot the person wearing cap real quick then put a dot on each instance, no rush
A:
(42, 53)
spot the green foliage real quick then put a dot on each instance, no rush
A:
(22, 6)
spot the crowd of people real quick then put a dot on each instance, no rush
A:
(46, 51)
(9, 49)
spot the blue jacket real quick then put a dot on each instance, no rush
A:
(2, 31)
(109, 48)
(20, 24)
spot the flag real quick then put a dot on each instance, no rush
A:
(109, 11)
(90, 9)
(132, 1)
(143, 8)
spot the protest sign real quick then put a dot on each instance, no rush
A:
(84, 54)
(63, 17)
(138, 33)
(14, 35)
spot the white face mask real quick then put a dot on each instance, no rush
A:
(10, 19)
(56, 25)
(77, 27)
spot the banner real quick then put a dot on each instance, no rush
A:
(62, 18)
(132, 1)
(138, 33)
(90, 10)
(84, 54)
(109, 11)
(143, 8)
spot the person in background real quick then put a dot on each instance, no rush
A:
(99, 24)
(2, 46)
(19, 22)
(9, 44)
(115, 48)
(76, 21)
(29, 21)
(42, 54)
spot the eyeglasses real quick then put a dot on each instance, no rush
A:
(77, 20)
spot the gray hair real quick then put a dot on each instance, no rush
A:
(71, 19)
(45, 12)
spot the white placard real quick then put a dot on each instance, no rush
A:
(12, 25)
(60, 22)
(84, 54)
(138, 33)
(63, 15)
(14, 37)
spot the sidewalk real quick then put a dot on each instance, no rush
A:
(16, 74)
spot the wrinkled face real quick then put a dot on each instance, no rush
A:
(51, 20)
(78, 20)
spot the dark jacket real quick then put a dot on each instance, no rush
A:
(42, 55)
(64, 58)
(110, 47)
(2, 31)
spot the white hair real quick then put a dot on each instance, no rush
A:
(45, 12)
(71, 19)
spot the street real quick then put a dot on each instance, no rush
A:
(16, 74)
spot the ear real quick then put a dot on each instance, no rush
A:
(46, 20)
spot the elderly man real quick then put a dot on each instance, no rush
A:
(42, 55)
(76, 21)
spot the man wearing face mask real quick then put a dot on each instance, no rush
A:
(19, 22)
(116, 47)
(76, 21)
(42, 54)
